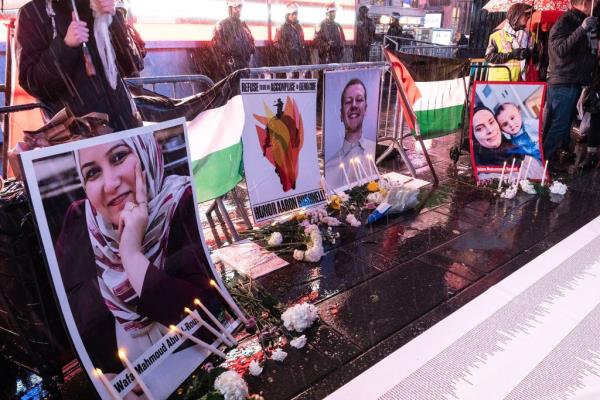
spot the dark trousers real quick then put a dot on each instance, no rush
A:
(360, 53)
(558, 116)
(593, 136)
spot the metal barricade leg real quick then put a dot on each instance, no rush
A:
(225, 216)
(240, 208)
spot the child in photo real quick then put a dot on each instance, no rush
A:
(522, 134)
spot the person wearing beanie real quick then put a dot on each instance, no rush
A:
(365, 33)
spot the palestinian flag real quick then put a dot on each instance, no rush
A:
(215, 124)
(434, 88)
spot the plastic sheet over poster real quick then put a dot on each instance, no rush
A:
(280, 146)
(82, 194)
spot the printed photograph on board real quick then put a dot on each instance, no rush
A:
(118, 221)
(280, 146)
(506, 121)
(351, 111)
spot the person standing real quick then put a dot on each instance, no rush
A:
(365, 33)
(330, 39)
(462, 43)
(509, 45)
(232, 40)
(51, 62)
(289, 38)
(395, 29)
(571, 66)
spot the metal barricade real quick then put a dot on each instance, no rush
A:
(419, 47)
(176, 86)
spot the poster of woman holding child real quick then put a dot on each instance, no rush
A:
(506, 128)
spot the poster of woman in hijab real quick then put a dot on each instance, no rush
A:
(118, 221)
(506, 120)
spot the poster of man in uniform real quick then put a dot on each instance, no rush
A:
(280, 146)
(118, 221)
(506, 121)
(351, 111)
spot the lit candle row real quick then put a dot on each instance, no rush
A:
(360, 172)
(223, 334)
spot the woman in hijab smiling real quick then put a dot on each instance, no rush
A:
(490, 147)
(141, 254)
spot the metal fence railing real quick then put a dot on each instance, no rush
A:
(413, 46)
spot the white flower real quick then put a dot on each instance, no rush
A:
(343, 196)
(331, 221)
(299, 317)
(298, 255)
(275, 239)
(375, 197)
(255, 368)
(509, 193)
(299, 342)
(231, 386)
(278, 355)
(558, 188)
(527, 187)
(314, 253)
(351, 219)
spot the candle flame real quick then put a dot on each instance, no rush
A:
(187, 310)
(122, 354)
(173, 328)
(213, 283)
(341, 165)
(197, 302)
(98, 371)
(368, 156)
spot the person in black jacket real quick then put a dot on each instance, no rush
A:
(365, 33)
(395, 29)
(570, 68)
(330, 38)
(51, 61)
(232, 40)
(289, 39)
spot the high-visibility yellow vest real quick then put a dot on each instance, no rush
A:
(502, 41)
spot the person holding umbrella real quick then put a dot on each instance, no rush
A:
(510, 44)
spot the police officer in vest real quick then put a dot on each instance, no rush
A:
(289, 38)
(232, 40)
(365, 33)
(330, 39)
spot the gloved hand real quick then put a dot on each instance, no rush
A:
(520, 54)
(589, 23)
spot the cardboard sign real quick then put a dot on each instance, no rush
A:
(506, 125)
(117, 288)
(351, 111)
(280, 146)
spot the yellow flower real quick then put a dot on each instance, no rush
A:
(336, 202)
(300, 216)
(373, 186)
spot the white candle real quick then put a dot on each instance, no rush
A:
(502, 175)
(199, 342)
(109, 387)
(519, 175)
(375, 166)
(205, 324)
(231, 303)
(345, 174)
(138, 378)
(354, 169)
(512, 166)
(527, 170)
(369, 158)
(216, 321)
(362, 168)
(544, 176)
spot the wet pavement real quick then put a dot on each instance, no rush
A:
(381, 286)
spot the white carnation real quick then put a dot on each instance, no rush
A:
(351, 219)
(343, 196)
(299, 342)
(558, 188)
(509, 193)
(276, 239)
(298, 255)
(231, 386)
(527, 187)
(299, 317)
(375, 198)
(314, 253)
(255, 368)
(331, 221)
(278, 355)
